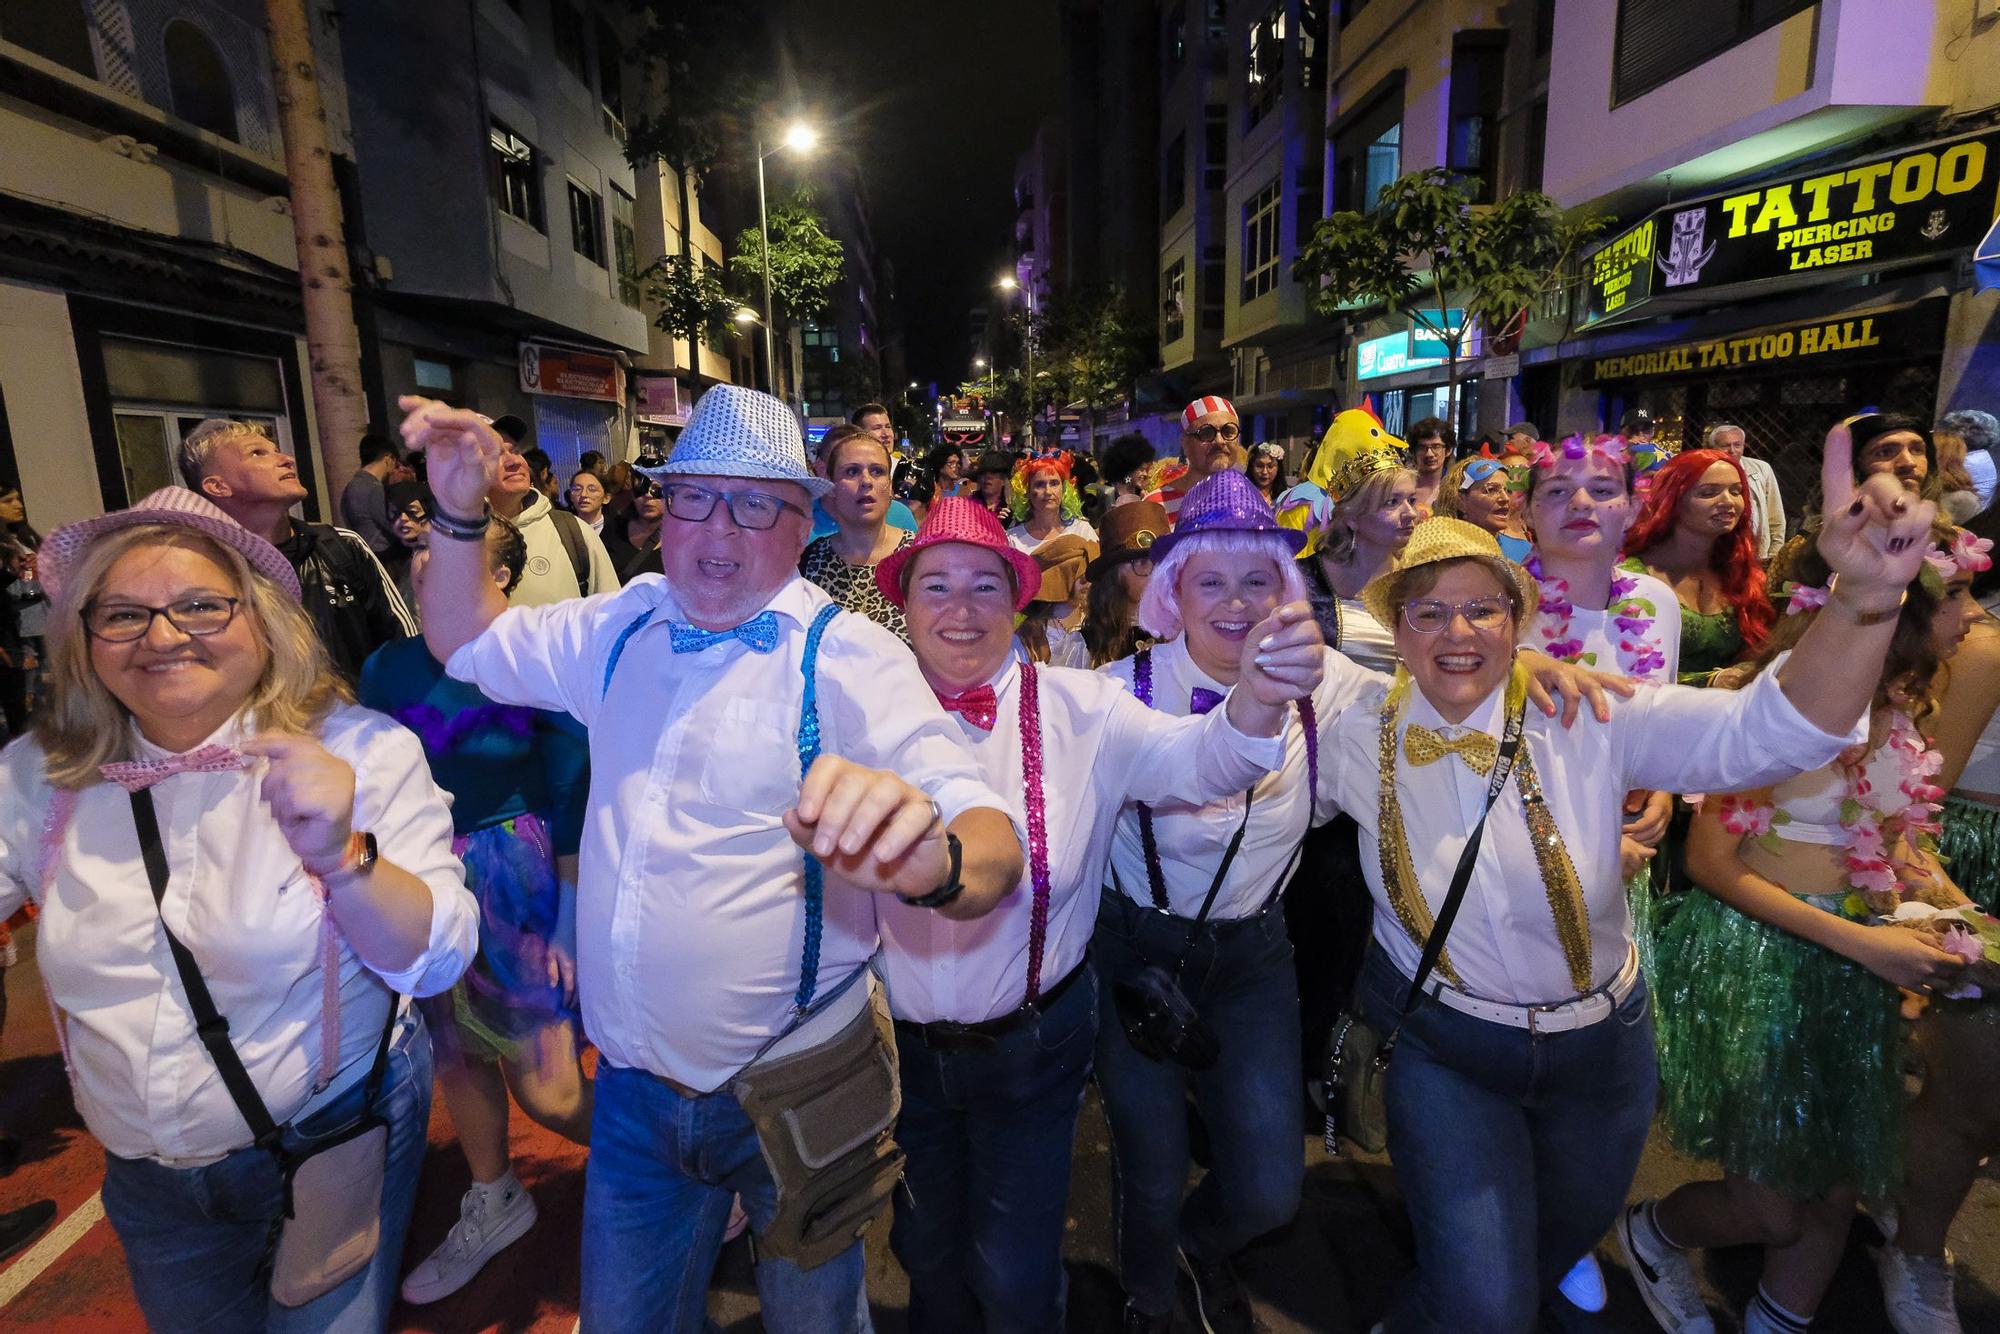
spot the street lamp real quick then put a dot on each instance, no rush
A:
(799, 138)
(1008, 283)
(979, 363)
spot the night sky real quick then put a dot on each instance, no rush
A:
(914, 88)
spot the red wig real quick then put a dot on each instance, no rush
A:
(1734, 559)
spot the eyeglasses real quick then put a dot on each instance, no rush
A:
(124, 622)
(755, 510)
(643, 488)
(1428, 616)
(1208, 435)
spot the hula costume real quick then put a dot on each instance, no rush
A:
(518, 778)
(1779, 1060)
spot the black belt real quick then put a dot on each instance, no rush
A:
(948, 1035)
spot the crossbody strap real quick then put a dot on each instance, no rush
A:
(210, 1026)
(809, 745)
(1461, 879)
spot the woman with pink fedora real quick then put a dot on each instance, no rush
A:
(996, 1018)
(240, 874)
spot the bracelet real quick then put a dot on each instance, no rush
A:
(463, 530)
(952, 886)
(1859, 616)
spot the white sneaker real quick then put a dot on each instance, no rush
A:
(1583, 1286)
(1665, 1277)
(490, 1219)
(1917, 1291)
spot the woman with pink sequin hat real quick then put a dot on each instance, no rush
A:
(996, 1018)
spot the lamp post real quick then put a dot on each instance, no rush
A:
(800, 138)
(1010, 284)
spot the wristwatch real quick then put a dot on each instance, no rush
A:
(358, 858)
(952, 886)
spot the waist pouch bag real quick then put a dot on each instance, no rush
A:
(332, 1222)
(823, 1118)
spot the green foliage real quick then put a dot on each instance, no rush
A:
(1001, 390)
(693, 303)
(710, 63)
(806, 263)
(914, 423)
(1426, 249)
(1089, 346)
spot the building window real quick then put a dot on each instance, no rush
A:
(1538, 145)
(1173, 303)
(438, 377)
(1176, 39)
(1260, 243)
(586, 223)
(1312, 44)
(1214, 147)
(566, 25)
(1659, 40)
(1264, 75)
(56, 32)
(824, 383)
(1173, 193)
(198, 82)
(1478, 69)
(625, 247)
(517, 180)
(1368, 152)
(611, 80)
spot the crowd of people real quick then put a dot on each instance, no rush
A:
(861, 813)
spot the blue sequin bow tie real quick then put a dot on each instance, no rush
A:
(760, 632)
(1203, 699)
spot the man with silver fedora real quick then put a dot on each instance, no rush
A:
(724, 914)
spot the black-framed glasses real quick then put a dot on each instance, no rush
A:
(1427, 616)
(123, 622)
(756, 510)
(1208, 435)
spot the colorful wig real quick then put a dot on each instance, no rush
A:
(1029, 468)
(1160, 608)
(1734, 559)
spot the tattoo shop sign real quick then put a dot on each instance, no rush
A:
(1910, 204)
(1891, 333)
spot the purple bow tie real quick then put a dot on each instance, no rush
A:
(1203, 699)
(138, 775)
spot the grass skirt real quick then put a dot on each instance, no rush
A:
(504, 997)
(1779, 1060)
(1970, 848)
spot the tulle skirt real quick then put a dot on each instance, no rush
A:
(505, 996)
(1779, 1060)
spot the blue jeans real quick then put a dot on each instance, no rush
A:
(195, 1237)
(1514, 1150)
(1240, 977)
(657, 1187)
(979, 1226)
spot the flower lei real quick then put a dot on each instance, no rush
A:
(1879, 879)
(1633, 615)
(1966, 555)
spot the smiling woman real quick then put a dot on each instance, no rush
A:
(1695, 535)
(196, 743)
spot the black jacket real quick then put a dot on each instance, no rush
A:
(350, 597)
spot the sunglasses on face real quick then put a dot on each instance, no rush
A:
(1208, 435)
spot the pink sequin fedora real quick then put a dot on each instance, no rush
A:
(961, 519)
(172, 506)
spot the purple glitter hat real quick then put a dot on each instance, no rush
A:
(1226, 502)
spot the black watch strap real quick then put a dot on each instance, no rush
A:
(952, 886)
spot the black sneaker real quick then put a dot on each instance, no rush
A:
(23, 1225)
(1215, 1299)
(1138, 1322)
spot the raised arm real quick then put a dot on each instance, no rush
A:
(1874, 539)
(460, 598)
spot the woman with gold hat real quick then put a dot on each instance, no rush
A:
(1358, 504)
(1050, 630)
(1522, 1085)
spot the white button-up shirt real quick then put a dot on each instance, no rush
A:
(1666, 737)
(1100, 749)
(1192, 836)
(690, 904)
(239, 900)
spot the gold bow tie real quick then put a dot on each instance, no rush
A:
(1477, 749)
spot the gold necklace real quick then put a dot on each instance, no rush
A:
(1552, 859)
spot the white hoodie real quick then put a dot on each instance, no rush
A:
(549, 576)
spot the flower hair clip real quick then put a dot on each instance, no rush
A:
(1804, 598)
(1605, 448)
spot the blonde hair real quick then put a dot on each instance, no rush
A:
(82, 725)
(1337, 540)
(199, 448)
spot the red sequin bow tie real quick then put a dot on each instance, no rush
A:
(138, 775)
(978, 706)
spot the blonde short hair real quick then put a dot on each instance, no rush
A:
(198, 448)
(1337, 541)
(81, 725)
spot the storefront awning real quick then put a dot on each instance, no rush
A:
(1986, 262)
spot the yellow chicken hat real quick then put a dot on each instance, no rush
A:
(1355, 447)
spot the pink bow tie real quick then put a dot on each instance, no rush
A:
(978, 706)
(138, 775)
